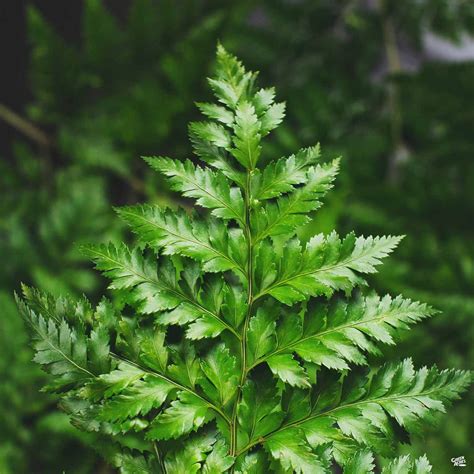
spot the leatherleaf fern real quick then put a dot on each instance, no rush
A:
(231, 346)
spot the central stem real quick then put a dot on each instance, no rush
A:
(243, 339)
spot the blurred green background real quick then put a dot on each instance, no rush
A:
(389, 85)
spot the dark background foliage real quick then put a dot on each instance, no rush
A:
(87, 87)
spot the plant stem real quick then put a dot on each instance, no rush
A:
(159, 458)
(250, 299)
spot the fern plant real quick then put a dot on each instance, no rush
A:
(232, 346)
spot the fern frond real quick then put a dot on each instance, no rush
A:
(326, 264)
(236, 347)
(128, 269)
(206, 452)
(247, 136)
(148, 393)
(213, 155)
(211, 243)
(361, 414)
(282, 175)
(186, 414)
(212, 190)
(331, 335)
(66, 352)
(404, 465)
(363, 461)
(290, 212)
(160, 288)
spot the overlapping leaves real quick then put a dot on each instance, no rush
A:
(360, 412)
(331, 335)
(178, 293)
(232, 345)
(325, 265)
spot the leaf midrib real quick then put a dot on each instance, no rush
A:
(214, 196)
(283, 178)
(301, 421)
(57, 349)
(299, 197)
(318, 335)
(320, 269)
(197, 242)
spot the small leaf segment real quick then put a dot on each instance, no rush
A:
(230, 345)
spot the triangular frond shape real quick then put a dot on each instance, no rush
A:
(229, 345)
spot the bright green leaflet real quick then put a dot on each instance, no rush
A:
(230, 345)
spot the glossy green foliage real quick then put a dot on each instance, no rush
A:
(419, 182)
(98, 110)
(233, 349)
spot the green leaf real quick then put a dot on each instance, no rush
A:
(218, 461)
(218, 306)
(138, 399)
(362, 462)
(272, 117)
(217, 112)
(185, 368)
(247, 136)
(281, 176)
(130, 464)
(288, 213)
(186, 414)
(263, 99)
(219, 368)
(206, 326)
(293, 453)
(76, 312)
(214, 156)
(112, 383)
(234, 305)
(363, 413)
(145, 379)
(188, 459)
(155, 291)
(98, 350)
(67, 353)
(404, 465)
(335, 334)
(325, 265)
(259, 412)
(211, 243)
(254, 463)
(212, 190)
(153, 351)
(211, 132)
(288, 369)
(232, 83)
(158, 290)
(261, 334)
